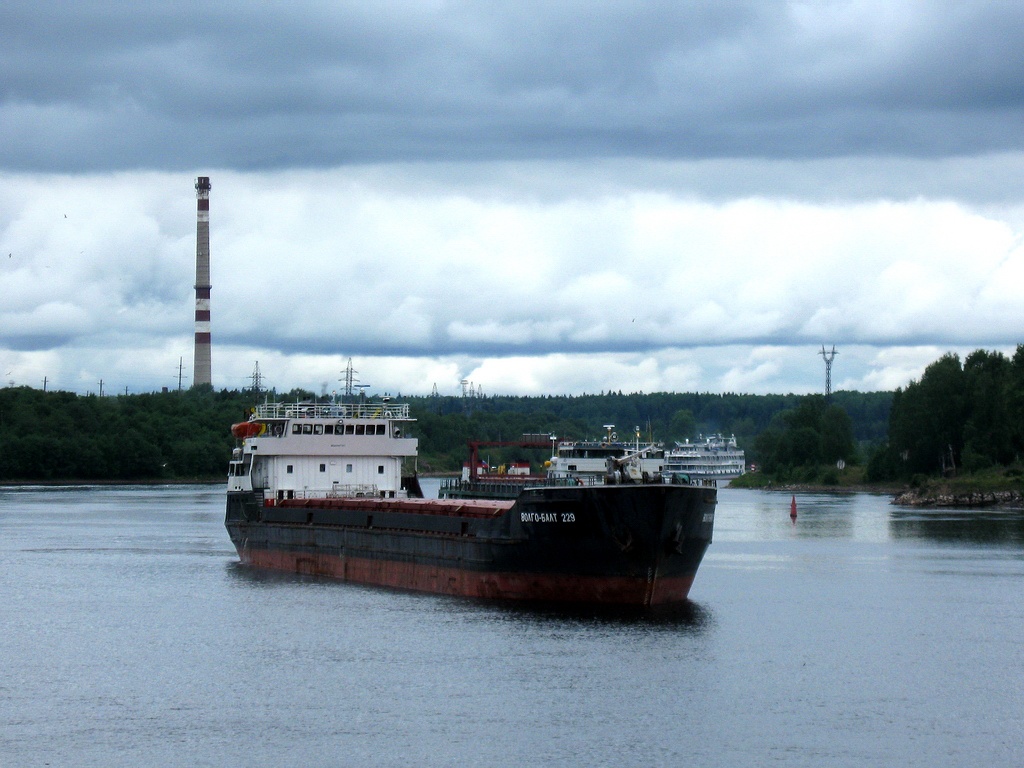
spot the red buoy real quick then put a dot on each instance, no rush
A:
(792, 508)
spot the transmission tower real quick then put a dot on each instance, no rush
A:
(350, 379)
(257, 381)
(828, 357)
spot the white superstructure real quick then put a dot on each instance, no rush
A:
(715, 458)
(317, 450)
(591, 461)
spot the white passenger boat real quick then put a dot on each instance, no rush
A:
(714, 458)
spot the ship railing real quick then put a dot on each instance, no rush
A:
(575, 480)
(351, 491)
(487, 487)
(572, 478)
(509, 483)
(684, 478)
(378, 410)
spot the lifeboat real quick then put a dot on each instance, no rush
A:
(248, 429)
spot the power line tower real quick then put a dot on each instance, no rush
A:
(828, 357)
(349, 380)
(435, 398)
(257, 381)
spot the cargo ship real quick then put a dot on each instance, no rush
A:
(331, 489)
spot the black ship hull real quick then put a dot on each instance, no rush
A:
(631, 545)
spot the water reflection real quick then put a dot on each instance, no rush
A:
(977, 526)
(264, 578)
(687, 615)
(744, 515)
(758, 516)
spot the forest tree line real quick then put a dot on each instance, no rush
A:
(957, 417)
(186, 435)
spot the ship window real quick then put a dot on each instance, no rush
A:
(572, 467)
(360, 429)
(382, 429)
(350, 429)
(289, 469)
(323, 467)
(307, 429)
(329, 429)
(348, 467)
(296, 429)
(380, 469)
(318, 429)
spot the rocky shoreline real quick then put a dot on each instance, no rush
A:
(962, 499)
(917, 497)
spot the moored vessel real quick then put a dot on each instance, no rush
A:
(331, 489)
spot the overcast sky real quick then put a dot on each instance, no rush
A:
(538, 197)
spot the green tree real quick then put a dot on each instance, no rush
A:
(682, 426)
(988, 431)
(927, 422)
(800, 440)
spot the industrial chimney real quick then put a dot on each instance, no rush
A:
(201, 366)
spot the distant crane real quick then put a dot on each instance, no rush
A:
(828, 357)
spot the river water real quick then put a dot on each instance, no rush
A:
(862, 634)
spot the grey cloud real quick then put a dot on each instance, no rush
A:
(93, 86)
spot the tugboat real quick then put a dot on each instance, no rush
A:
(331, 490)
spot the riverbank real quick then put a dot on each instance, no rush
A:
(917, 498)
(878, 489)
(1002, 487)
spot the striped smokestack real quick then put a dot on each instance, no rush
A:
(201, 366)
